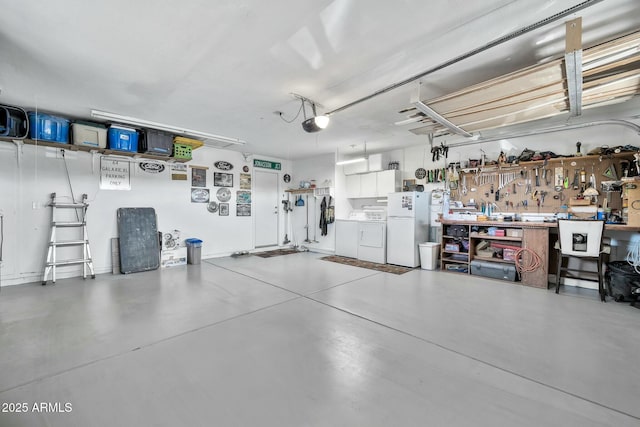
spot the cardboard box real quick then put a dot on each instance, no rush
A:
(633, 205)
(514, 232)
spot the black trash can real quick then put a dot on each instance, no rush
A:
(621, 279)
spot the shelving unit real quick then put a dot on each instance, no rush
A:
(531, 237)
(103, 151)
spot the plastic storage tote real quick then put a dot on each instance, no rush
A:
(181, 151)
(194, 251)
(183, 147)
(122, 138)
(156, 142)
(89, 134)
(429, 255)
(14, 122)
(493, 270)
(48, 128)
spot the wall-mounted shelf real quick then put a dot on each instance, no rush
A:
(103, 151)
(317, 191)
(300, 190)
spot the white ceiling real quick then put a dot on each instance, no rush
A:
(225, 67)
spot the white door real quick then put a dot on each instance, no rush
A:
(266, 208)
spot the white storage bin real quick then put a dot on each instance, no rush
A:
(89, 135)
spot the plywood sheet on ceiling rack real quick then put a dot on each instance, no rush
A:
(536, 92)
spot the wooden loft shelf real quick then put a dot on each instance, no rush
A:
(103, 151)
(533, 163)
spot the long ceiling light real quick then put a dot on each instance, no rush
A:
(160, 126)
(348, 162)
(432, 114)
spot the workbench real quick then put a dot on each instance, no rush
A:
(533, 236)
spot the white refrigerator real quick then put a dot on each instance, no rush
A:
(407, 226)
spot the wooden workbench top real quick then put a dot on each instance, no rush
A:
(531, 224)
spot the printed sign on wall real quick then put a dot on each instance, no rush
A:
(115, 174)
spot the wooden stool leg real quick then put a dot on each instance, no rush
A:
(559, 269)
(601, 280)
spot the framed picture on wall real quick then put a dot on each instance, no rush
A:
(221, 179)
(198, 177)
(243, 210)
(223, 209)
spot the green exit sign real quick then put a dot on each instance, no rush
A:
(266, 164)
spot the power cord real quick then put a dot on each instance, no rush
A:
(633, 256)
(296, 116)
(534, 261)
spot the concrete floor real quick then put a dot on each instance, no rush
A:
(297, 341)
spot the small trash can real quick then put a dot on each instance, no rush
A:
(194, 251)
(429, 255)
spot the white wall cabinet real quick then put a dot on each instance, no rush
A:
(369, 185)
(372, 184)
(373, 163)
(352, 186)
(388, 181)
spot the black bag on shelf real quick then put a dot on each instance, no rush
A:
(457, 231)
(526, 155)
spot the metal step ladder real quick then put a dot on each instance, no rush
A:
(52, 259)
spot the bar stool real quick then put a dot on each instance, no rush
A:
(581, 239)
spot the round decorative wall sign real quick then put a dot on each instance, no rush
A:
(223, 195)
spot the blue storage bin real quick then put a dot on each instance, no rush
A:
(122, 138)
(48, 128)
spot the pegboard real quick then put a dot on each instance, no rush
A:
(549, 186)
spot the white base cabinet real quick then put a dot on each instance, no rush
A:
(346, 238)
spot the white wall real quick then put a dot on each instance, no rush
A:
(24, 192)
(320, 168)
(26, 185)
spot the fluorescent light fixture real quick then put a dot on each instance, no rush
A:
(432, 114)
(167, 128)
(348, 162)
